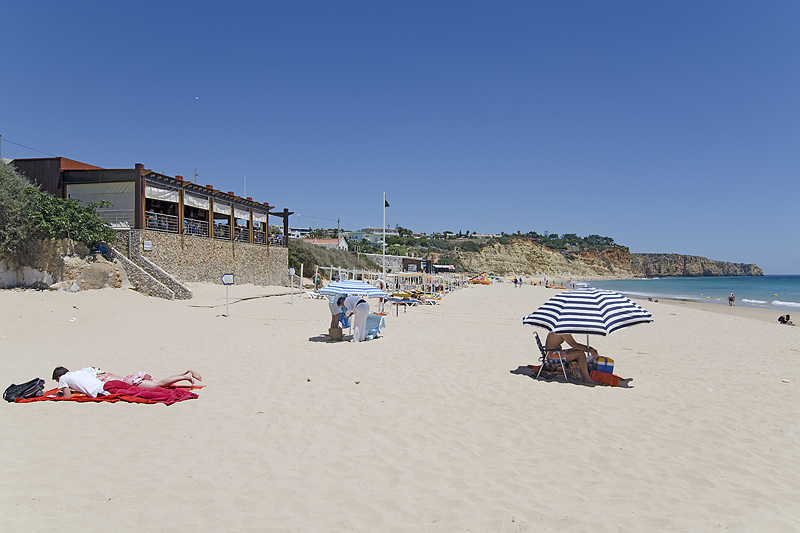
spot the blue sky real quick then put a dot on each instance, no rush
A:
(669, 126)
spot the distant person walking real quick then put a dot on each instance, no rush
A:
(732, 300)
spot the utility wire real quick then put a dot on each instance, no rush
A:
(28, 147)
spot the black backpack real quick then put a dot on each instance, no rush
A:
(31, 389)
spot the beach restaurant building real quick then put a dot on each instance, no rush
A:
(171, 221)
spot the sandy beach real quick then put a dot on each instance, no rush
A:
(427, 428)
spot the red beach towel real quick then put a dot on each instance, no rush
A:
(122, 392)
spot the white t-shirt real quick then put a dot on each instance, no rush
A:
(351, 302)
(84, 380)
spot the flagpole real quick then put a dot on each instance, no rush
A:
(384, 236)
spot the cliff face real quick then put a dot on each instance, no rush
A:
(527, 258)
(524, 257)
(674, 265)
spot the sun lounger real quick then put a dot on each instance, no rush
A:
(314, 295)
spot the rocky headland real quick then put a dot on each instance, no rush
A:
(525, 257)
(676, 265)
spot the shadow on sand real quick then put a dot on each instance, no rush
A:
(327, 339)
(559, 378)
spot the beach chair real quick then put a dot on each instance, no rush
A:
(375, 323)
(549, 356)
(314, 295)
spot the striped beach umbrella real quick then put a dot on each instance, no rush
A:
(590, 311)
(353, 288)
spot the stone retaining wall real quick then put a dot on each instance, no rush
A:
(141, 280)
(182, 292)
(393, 262)
(191, 258)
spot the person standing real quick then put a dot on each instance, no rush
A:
(336, 309)
(732, 300)
(358, 308)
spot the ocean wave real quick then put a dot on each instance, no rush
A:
(754, 301)
(785, 304)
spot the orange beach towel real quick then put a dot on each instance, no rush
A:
(600, 377)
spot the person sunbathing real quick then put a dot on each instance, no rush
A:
(145, 380)
(92, 381)
(577, 352)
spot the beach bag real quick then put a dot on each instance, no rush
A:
(344, 320)
(31, 389)
(574, 371)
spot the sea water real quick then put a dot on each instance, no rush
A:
(770, 292)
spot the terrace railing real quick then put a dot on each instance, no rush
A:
(242, 234)
(118, 218)
(193, 226)
(222, 231)
(259, 237)
(161, 222)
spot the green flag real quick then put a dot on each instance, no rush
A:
(385, 202)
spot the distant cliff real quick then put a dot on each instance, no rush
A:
(524, 257)
(675, 265)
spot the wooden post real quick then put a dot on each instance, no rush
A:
(232, 222)
(210, 217)
(138, 188)
(251, 226)
(286, 227)
(180, 212)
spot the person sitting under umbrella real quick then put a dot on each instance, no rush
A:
(578, 352)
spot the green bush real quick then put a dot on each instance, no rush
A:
(29, 216)
(310, 256)
(16, 227)
(470, 246)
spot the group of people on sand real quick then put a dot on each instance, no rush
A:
(92, 381)
(785, 319)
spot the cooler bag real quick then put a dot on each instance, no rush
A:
(604, 364)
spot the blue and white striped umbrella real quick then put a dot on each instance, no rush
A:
(589, 311)
(353, 288)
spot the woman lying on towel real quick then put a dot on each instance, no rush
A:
(91, 381)
(145, 380)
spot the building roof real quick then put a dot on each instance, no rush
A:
(378, 230)
(322, 241)
(64, 163)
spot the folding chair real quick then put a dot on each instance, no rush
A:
(548, 355)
